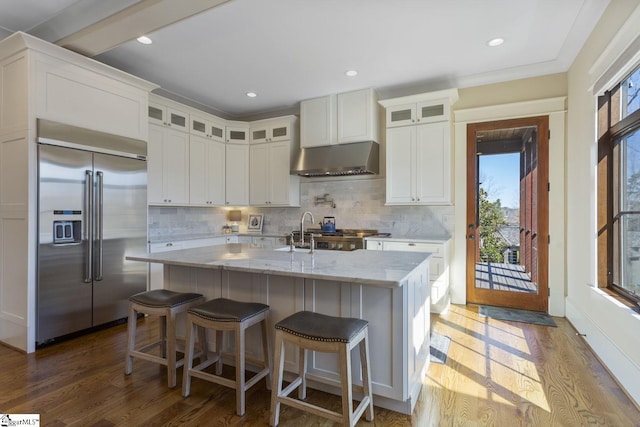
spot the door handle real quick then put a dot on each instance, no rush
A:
(88, 225)
(472, 237)
(99, 220)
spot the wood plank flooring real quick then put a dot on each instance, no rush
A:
(497, 374)
(504, 277)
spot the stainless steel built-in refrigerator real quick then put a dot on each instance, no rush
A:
(92, 191)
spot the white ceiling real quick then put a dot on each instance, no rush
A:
(290, 50)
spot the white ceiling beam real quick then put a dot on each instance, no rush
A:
(141, 18)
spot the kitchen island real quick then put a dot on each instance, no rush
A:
(388, 289)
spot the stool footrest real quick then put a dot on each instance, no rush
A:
(257, 377)
(149, 357)
(362, 406)
(213, 378)
(292, 386)
(316, 410)
(204, 365)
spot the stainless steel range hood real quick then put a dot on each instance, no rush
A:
(358, 158)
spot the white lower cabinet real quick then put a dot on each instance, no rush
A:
(156, 271)
(156, 276)
(438, 264)
(268, 241)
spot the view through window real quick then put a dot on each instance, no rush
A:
(624, 185)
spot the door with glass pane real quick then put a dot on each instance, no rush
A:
(507, 231)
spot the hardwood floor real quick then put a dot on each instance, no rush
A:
(497, 374)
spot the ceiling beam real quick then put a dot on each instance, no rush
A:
(141, 18)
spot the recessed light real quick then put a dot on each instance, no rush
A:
(252, 94)
(495, 42)
(351, 73)
(144, 40)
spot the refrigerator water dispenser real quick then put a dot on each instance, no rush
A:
(66, 232)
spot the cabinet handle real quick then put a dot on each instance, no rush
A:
(169, 244)
(412, 244)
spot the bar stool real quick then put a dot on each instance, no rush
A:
(221, 315)
(166, 304)
(319, 332)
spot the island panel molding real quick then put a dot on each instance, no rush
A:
(360, 284)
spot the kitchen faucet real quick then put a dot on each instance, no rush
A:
(302, 226)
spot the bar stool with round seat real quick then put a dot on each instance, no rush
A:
(166, 304)
(329, 334)
(221, 315)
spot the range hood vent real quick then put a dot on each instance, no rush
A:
(358, 158)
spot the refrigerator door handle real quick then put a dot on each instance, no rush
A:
(88, 226)
(99, 218)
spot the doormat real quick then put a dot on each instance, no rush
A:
(439, 348)
(513, 315)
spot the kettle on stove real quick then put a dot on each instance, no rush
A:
(328, 224)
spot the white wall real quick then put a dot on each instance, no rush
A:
(611, 328)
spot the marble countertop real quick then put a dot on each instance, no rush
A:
(376, 268)
(411, 238)
(183, 237)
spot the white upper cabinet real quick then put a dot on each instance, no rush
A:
(318, 122)
(340, 119)
(206, 172)
(271, 182)
(169, 116)
(237, 133)
(270, 131)
(419, 165)
(167, 166)
(358, 116)
(237, 175)
(419, 161)
(208, 127)
(421, 112)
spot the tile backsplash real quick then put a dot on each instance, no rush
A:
(359, 204)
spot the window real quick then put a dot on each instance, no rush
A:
(619, 188)
(630, 89)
